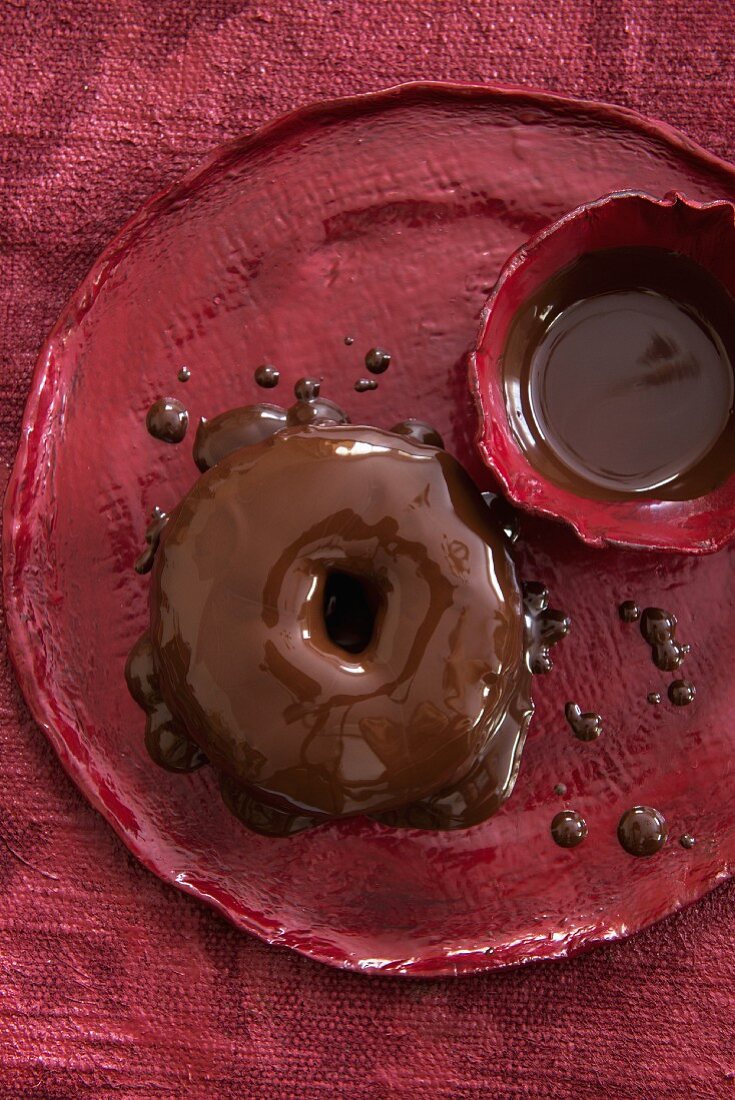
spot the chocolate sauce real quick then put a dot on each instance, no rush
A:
(167, 420)
(316, 411)
(568, 829)
(370, 657)
(267, 376)
(377, 360)
(153, 533)
(545, 627)
(184, 374)
(585, 726)
(654, 698)
(419, 431)
(642, 831)
(681, 693)
(560, 789)
(236, 428)
(687, 840)
(504, 515)
(658, 627)
(619, 377)
(307, 389)
(629, 611)
(349, 340)
(364, 384)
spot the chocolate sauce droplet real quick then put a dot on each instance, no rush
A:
(307, 389)
(687, 840)
(560, 789)
(144, 563)
(642, 831)
(545, 626)
(586, 726)
(167, 420)
(349, 340)
(364, 384)
(629, 611)
(267, 376)
(377, 360)
(654, 698)
(658, 627)
(419, 431)
(568, 829)
(184, 374)
(505, 516)
(681, 692)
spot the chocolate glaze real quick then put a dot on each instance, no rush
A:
(267, 377)
(307, 389)
(319, 410)
(144, 563)
(419, 431)
(545, 626)
(642, 831)
(236, 428)
(377, 360)
(167, 420)
(687, 840)
(619, 377)
(165, 740)
(658, 627)
(568, 829)
(349, 340)
(681, 693)
(184, 374)
(629, 611)
(364, 384)
(560, 789)
(654, 698)
(585, 726)
(504, 515)
(413, 708)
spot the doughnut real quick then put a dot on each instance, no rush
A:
(336, 627)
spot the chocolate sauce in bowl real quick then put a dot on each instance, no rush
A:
(364, 384)
(585, 726)
(267, 376)
(629, 611)
(642, 831)
(377, 360)
(184, 374)
(618, 375)
(681, 693)
(658, 628)
(568, 829)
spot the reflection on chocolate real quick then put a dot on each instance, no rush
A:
(267, 376)
(642, 831)
(545, 626)
(349, 340)
(144, 563)
(619, 377)
(687, 840)
(585, 727)
(316, 411)
(228, 432)
(654, 698)
(307, 389)
(166, 743)
(370, 657)
(504, 515)
(568, 829)
(658, 627)
(184, 374)
(681, 692)
(364, 384)
(419, 431)
(377, 360)
(560, 789)
(629, 611)
(167, 420)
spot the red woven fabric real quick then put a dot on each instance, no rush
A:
(112, 984)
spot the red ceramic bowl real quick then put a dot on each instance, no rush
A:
(701, 232)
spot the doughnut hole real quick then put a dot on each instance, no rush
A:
(352, 603)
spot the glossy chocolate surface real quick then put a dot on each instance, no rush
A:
(167, 420)
(335, 621)
(619, 379)
(642, 831)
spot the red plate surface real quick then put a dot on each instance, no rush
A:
(386, 218)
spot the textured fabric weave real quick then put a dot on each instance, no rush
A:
(112, 984)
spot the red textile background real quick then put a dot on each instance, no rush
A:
(112, 984)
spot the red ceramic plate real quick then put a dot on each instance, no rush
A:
(386, 218)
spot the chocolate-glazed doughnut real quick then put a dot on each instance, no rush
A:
(336, 623)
